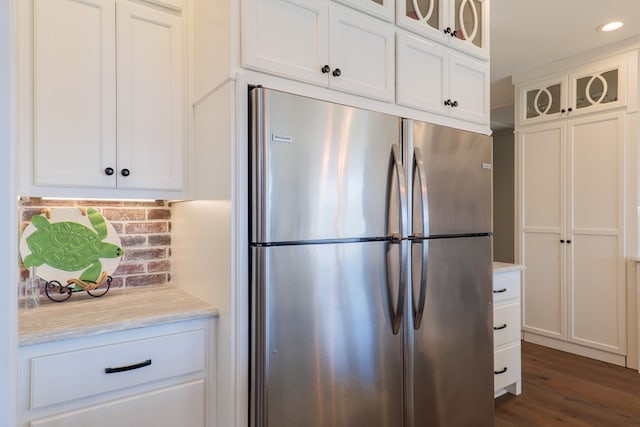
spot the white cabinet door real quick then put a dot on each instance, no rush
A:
(362, 54)
(287, 38)
(461, 24)
(74, 92)
(597, 288)
(422, 73)
(543, 100)
(541, 160)
(571, 230)
(150, 99)
(382, 9)
(180, 405)
(469, 88)
(433, 78)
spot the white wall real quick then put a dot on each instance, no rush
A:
(8, 221)
(503, 196)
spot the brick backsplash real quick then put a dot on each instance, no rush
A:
(144, 228)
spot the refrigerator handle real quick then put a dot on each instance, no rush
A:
(418, 310)
(418, 168)
(397, 312)
(402, 190)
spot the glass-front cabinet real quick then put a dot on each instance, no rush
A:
(382, 9)
(461, 24)
(596, 87)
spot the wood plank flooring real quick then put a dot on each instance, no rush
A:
(562, 389)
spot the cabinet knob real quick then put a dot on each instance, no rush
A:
(109, 171)
(454, 104)
(125, 172)
(447, 102)
(337, 72)
(325, 69)
(570, 109)
(563, 111)
(569, 241)
(561, 240)
(447, 30)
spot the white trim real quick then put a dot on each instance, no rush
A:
(592, 353)
(8, 220)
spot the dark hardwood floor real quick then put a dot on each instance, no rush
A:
(562, 389)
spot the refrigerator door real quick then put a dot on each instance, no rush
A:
(321, 170)
(450, 173)
(450, 375)
(324, 349)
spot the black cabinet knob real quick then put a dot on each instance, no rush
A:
(325, 69)
(570, 109)
(563, 111)
(454, 104)
(561, 240)
(568, 241)
(447, 30)
(109, 171)
(125, 172)
(447, 102)
(337, 72)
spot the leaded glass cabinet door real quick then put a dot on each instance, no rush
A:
(542, 101)
(467, 25)
(600, 87)
(425, 17)
(382, 9)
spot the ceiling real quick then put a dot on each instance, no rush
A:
(526, 34)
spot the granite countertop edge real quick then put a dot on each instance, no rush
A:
(116, 311)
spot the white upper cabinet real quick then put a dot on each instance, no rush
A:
(382, 9)
(433, 78)
(74, 92)
(150, 113)
(320, 43)
(591, 88)
(107, 96)
(461, 24)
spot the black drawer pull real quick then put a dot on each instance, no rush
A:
(127, 368)
(497, 328)
(501, 371)
(499, 291)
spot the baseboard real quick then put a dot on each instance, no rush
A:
(580, 350)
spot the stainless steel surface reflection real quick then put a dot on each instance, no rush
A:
(330, 357)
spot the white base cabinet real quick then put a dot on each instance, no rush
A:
(507, 368)
(157, 376)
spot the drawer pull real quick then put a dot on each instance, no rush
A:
(497, 328)
(127, 368)
(499, 291)
(501, 371)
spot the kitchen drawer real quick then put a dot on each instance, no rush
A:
(506, 286)
(506, 324)
(506, 366)
(179, 405)
(62, 377)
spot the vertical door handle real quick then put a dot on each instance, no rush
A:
(397, 239)
(418, 309)
(418, 171)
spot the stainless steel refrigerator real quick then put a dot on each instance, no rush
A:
(370, 257)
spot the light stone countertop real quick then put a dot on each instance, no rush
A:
(117, 310)
(505, 266)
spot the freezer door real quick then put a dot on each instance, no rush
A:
(450, 369)
(321, 170)
(324, 349)
(451, 180)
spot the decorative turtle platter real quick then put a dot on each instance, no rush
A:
(73, 250)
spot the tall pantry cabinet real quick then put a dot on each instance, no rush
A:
(574, 192)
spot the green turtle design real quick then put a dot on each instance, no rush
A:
(71, 246)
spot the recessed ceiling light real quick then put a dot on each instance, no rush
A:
(611, 26)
